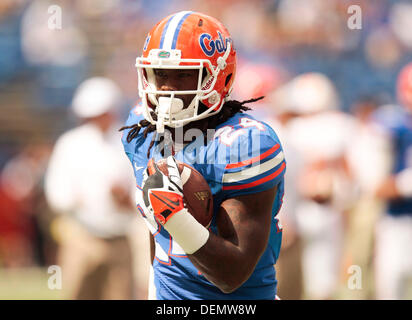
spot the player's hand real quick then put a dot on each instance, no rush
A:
(163, 195)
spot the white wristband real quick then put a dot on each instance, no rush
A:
(187, 231)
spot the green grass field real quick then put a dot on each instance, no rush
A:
(32, 284)
(26, 284)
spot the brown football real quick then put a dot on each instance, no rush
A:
(196, 192)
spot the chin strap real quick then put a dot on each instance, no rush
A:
(160, 127)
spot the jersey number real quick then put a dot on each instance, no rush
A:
(174, 250)
(228, 134)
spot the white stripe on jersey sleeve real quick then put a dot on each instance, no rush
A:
(253, 171)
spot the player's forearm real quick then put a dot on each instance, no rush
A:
(223, 263)
(226, 261)
(229, 258)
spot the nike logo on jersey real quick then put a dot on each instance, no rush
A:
(136, 167)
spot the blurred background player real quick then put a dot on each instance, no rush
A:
(289, 266)
(370, 144)
(394, 230)
(319, 136)
(24, 214)
(88, 181)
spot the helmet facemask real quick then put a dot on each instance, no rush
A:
(167, 106)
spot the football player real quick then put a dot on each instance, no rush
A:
(394, 231)
(186, 73)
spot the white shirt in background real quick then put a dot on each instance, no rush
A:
(84, 166)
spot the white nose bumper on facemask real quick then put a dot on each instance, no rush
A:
(168, 109)
(169, 105)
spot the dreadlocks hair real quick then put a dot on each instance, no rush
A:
(230, 108)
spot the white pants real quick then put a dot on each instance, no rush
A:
(393, 265)
(321, 229)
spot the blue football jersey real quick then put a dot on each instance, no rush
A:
(241, 156)
(401, 132)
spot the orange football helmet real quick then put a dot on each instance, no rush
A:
(404, 86)
(186, 40)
